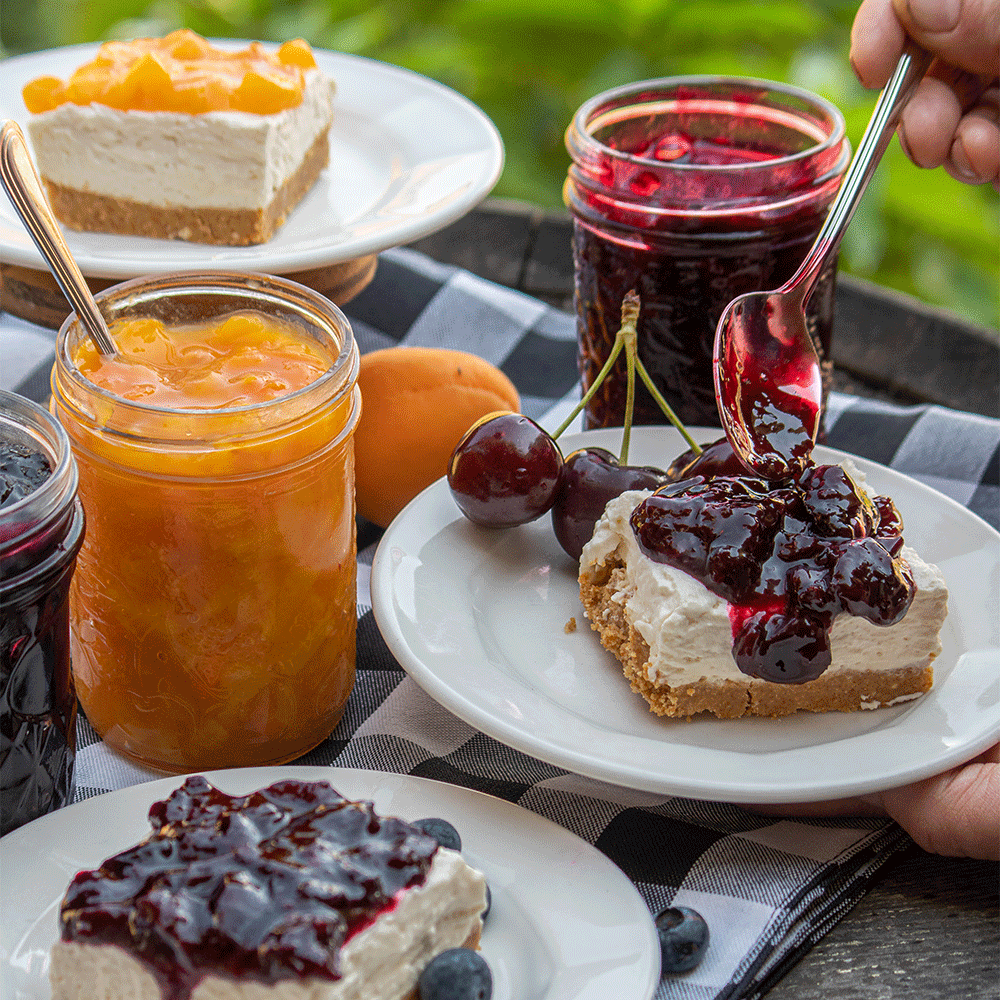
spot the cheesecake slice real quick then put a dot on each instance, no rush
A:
(761, 608)
(292, 892)
(177, 139)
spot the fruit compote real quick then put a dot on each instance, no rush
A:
(691, 192)
(41, 527)
(181, 73)
(788, 556)
(259, 888)
(214, 606)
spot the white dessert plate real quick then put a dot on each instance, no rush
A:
(478, 618)
(565, 923)
(408, 156)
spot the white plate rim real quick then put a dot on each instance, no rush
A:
(109, 256)
(653, 766)
(497, 835)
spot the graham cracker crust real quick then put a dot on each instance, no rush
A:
(840, 691)
(88, 212)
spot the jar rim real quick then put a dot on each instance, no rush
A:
(579, 137)
(342, 371)
(61, 482)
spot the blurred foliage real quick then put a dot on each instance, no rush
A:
(530, 63)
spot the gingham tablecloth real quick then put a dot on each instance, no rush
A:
(768, 888)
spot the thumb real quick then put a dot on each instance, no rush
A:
(964, 33)
(954, 813)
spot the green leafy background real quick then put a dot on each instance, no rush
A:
(530, 63)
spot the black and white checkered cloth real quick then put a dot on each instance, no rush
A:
(770, 888)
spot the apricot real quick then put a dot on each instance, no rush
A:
(416, 403)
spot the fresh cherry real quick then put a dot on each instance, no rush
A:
(505, 471)
(592, 477)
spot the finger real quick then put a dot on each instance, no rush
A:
(929, 121)
(876, 42)
(965, 33)
(974, 157)
(953, 814)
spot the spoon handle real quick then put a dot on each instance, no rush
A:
(910, 69)
(27, 196)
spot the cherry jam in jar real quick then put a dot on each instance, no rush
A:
(693, 190)
(41, 529)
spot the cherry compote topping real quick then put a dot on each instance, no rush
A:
(788, 557)
(264, 887)
(592, 477)
(505, 471)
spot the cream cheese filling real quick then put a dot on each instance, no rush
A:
(221, 159)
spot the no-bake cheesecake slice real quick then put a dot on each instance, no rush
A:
(733, 596)
(289, 893)
(178, 139)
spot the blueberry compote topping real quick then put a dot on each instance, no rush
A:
(265, 886)
(22, 471)
(788, 557)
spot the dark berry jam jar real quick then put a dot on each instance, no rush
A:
(41, 528)
(693, 190)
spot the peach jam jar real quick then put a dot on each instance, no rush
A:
(213, 611)
(41, 527)
(692, 190)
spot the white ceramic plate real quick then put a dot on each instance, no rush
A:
(408, 156)
(565, 923)
(477, 617)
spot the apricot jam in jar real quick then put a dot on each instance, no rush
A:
(692, 190)
(41, 527)
(213, 611)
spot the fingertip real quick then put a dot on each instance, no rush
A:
(877, 39)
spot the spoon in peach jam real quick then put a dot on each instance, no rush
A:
(768, 381)
(24, 189)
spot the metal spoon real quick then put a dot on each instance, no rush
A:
(766, 370)
(24, 189)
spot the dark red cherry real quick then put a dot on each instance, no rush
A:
(592, 477)
(505, 471)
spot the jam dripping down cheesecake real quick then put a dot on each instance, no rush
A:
(291, 892)
(728, 594)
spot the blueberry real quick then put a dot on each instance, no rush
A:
(683, 936)
(441, 830)
(456, 974)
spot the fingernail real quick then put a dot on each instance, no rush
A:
(935, 16)
(961, 165)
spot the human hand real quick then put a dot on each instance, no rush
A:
(952, 118)
(956, 814)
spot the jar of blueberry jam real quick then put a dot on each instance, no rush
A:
(41, 529)
(693, 190)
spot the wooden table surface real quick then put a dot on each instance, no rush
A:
(929, 928)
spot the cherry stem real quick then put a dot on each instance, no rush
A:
(627, 337)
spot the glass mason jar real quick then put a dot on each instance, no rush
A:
(213, 612)
(41, 528)
(693, 190)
